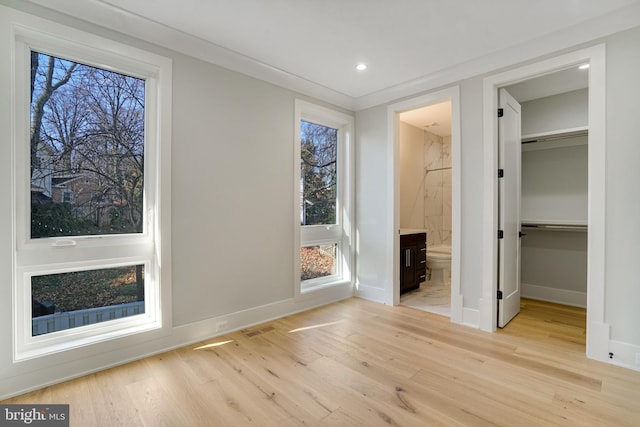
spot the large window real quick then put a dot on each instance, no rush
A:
(87, 149)
(323, 196)
(88, 144)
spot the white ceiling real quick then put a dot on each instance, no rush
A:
(550, 84)
(434, 118)
(400, 40)
(313, 46)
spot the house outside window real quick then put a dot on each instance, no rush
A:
(67, 197)
(324, 196)
(88, 185)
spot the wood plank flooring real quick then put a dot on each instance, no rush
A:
(358, 363)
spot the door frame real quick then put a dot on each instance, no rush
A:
(598, 332)
(392, 293)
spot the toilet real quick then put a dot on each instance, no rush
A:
(438, 263)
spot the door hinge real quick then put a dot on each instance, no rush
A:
(500, 234)
(499, 294)
(500, 112)
(500, 173)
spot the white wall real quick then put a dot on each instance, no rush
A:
(623, 197)
(554, 266)
(232, 213)
(552, 113)
(555, 183)
(374, 233)
(232, 193)
(554, 190)
(472, 192)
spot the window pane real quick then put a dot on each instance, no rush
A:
(69, 300)
(318, 174)
(87, 149)
(318, 261)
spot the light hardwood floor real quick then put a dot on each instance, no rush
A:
(358, 363)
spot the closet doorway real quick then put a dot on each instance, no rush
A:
(564, 217)
(549, 195)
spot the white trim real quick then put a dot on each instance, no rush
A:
(625, 355)
(597, 329)
(470, 317)
(555, 295)
(392, 290)
(371, 292)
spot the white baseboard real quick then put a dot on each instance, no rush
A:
(471, 317)
(487, 314)
(560, 296)
(464, 316)
(624, 355)
(457, 308)
(598, 338)
(371, 293)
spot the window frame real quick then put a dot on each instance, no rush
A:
(51, 255)
(341, 232)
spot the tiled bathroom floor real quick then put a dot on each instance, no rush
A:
(432, 297)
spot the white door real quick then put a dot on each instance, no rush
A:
(509, 155)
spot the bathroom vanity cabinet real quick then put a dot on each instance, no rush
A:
(413, 261)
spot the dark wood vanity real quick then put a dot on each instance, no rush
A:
(413, 260)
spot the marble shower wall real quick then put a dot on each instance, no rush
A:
(437, 194)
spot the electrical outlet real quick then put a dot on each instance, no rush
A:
(222, 325)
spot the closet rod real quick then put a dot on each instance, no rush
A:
(555, 227)
(531, 140)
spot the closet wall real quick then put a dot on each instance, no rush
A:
(554, 198)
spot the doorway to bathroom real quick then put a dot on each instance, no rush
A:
(425, 206)
(426, 135)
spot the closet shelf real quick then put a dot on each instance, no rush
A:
(555, 139)
(555, 134)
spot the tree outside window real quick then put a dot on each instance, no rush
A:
(87, 149)
(318, 173)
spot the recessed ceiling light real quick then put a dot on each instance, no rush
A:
(361, 67)
(584, 66)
